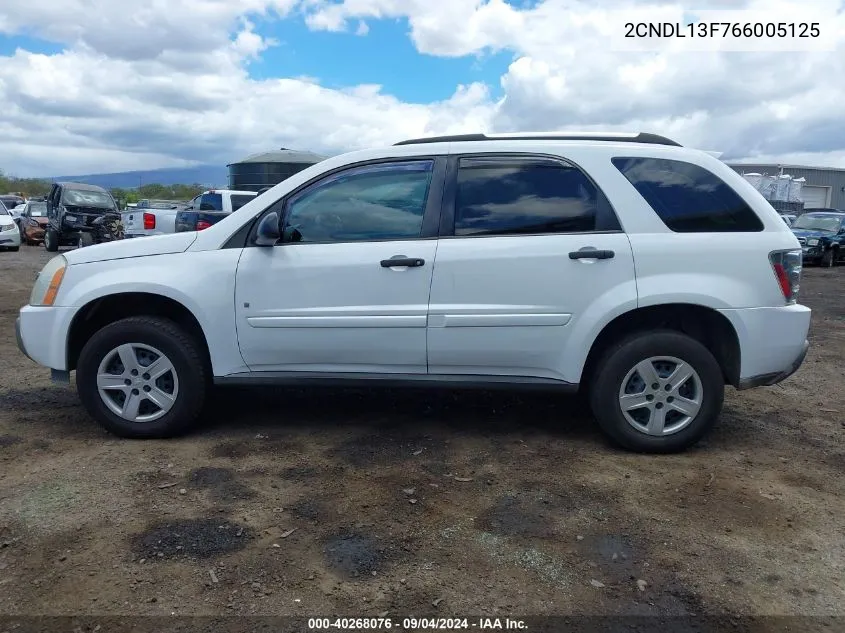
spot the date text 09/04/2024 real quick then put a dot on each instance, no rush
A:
(781, 30)
(416, 624)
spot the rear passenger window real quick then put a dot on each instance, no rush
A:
(211, 202)
(508, 196)
(688, 198)
(240, 200)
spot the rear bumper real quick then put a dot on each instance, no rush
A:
(767, 380)
(772, 342)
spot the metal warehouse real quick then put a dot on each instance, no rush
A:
(824, 189)
(266, 169)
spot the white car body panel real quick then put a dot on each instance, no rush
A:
(10, 233)
(133, 222)
(498, 305)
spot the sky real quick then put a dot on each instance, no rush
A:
(92, 86)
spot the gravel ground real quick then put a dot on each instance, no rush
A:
(361, 502)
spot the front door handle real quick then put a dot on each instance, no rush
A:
(592, 253)
(401, 260)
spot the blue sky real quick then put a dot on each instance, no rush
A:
(385, 56)
(102, 86)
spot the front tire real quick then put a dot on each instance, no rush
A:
(51, 241)
(828, 258)
(85, 239)
(657, 392)
(142, 377)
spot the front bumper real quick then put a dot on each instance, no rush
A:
(10, 237)
(19, 339)
(767, 380)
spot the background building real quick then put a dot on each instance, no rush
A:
(266, 169)
(824, 189)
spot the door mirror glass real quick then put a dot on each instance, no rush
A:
(268, 233)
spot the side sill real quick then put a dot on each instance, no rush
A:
(341, 379)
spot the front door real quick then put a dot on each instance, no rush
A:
(534, 258)
(347, 287)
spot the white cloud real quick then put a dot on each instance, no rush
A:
(166, 81)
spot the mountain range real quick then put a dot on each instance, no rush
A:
(207, 175)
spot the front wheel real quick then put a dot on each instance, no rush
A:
(85, 239)
(142, 377)
(657, 392)
(828, 258)
(51, 241)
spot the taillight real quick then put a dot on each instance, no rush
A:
(202, 224)
(787, 268)
(149, 221)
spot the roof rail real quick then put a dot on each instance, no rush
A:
(641, 137)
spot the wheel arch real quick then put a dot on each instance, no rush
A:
(102, 311)
(704, 324)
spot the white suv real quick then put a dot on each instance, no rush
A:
(647, 274)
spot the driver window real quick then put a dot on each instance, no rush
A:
(376, 202)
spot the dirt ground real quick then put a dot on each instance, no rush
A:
(366, 502)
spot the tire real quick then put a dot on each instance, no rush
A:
(828, 259)
(187, 378)
(85, 239)
(14, 249)
(51, 241)
(617, 371)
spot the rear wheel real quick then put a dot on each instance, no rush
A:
(51, 241)
(142, 377)
(657, 392)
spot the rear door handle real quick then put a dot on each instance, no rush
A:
(592, 253)
(401, 260)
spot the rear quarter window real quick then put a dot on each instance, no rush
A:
(687, 197)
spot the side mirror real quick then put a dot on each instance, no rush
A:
(268, 230)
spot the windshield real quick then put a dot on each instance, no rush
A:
(85, 198)
(38, 210)
(818, 223)
(3, 210)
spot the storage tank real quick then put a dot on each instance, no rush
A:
(266, 169)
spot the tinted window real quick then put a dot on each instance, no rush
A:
(688, 198)
(377, 202)
(503, 196)
(240, 200)
(3, 210)
(211, 202)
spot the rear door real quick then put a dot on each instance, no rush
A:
(531, 255)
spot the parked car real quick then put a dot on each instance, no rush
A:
(10, 235)
(33, 222)
(822, 236)
(150, 217)
(72, 208)
(11, 200)
(210, 207)
(645, 274)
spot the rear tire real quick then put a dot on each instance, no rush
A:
(135, 410)
(652, 422)
(51, 241)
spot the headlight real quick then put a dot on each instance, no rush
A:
(47, 284)
(6, 224)
(813, 242)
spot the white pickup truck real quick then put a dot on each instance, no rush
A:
(150, 217)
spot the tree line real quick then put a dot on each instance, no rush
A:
(34, 187)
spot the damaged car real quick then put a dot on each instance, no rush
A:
(77, 213)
